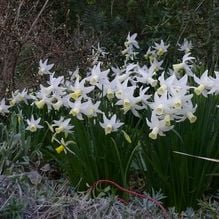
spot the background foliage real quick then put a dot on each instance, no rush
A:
(66, 31)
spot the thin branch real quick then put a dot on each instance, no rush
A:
(18, 13)
(37, 18)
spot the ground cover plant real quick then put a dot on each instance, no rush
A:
(110, 120)
(25, 198)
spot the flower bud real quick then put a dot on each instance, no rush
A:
(60, 149)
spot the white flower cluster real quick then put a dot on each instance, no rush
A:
(132, 87)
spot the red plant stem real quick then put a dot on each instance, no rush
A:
(130, 192)
(122, 201)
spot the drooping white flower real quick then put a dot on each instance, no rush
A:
(73, 75)
(109, 89)
(33, 124)
(101, 51)
(3, 107)
(131, 41)
(122, 88)
(98, 52)
(127, 73)
(150, 54)
(44, 68)
(186, 46)
(131, 44)
(110, 125)
(185, 65)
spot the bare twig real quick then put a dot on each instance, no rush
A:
(36, 19)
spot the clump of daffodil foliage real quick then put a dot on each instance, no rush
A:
(96, 121)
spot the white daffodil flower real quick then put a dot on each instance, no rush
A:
(191, 117)
(62, 125)
(123, 88)
(143, 97)
(146, 75)
(161, 48)
(77, 108)
(187, 112)
(33, 124)
(205, 84)
(44, 68)
(157, 126)
(109, 89)
(178, 98)
(127, 99)
(172, 83)
(56, 85)
(215, 84)
(110, 125)
(156, 65)
(165, 84)
(97, 77)
(78, 89)
(42, 99)
(18, 97)
(91, 109)
(161, 104)
(57, 102)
